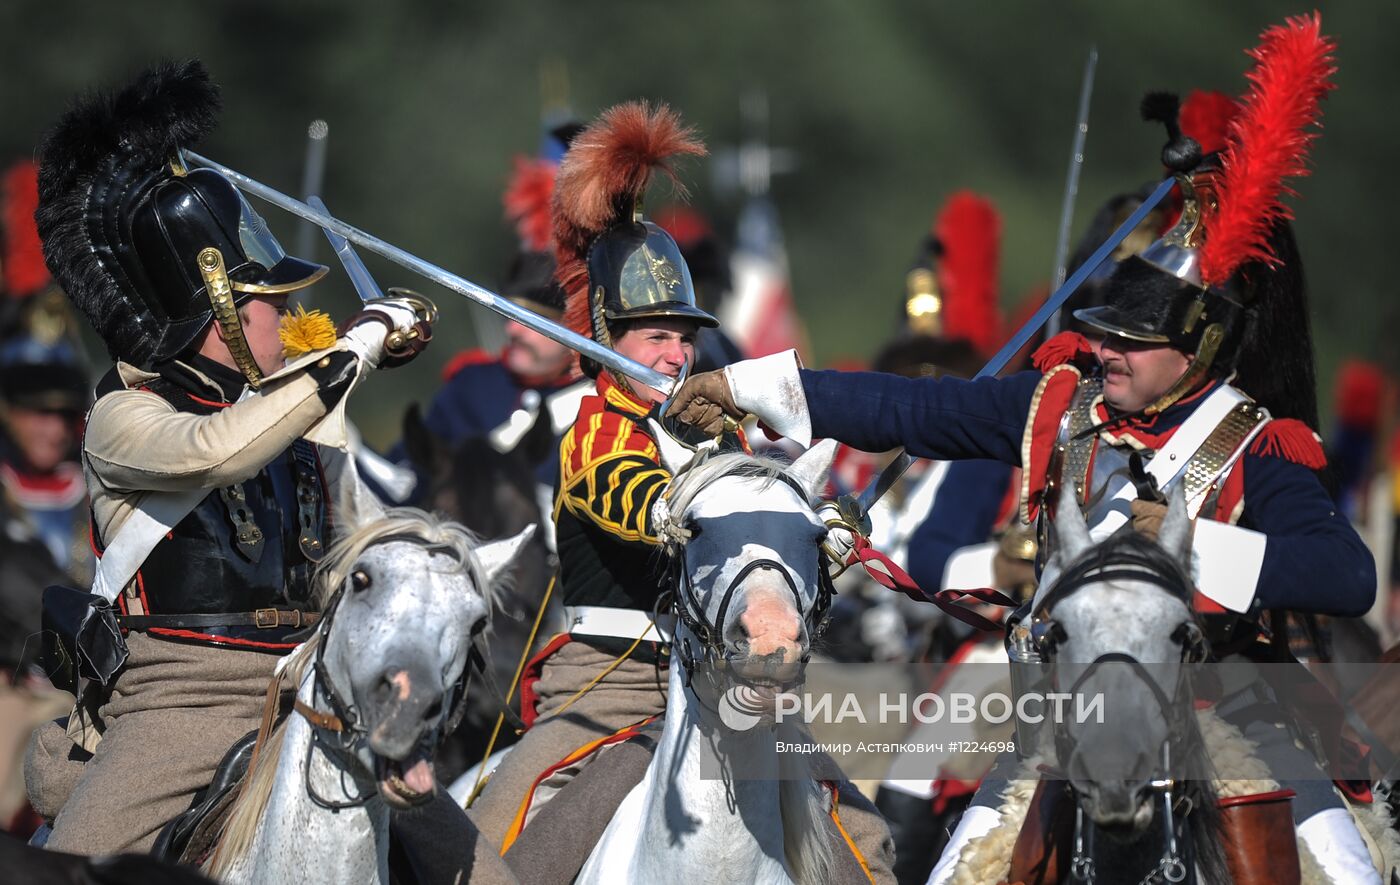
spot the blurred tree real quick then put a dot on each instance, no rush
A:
(891, 104)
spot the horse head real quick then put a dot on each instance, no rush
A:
(750, 587)
(409, 595)
(1116, 621)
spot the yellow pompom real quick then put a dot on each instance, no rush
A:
(303, 332)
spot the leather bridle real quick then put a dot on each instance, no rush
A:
(1140, 565)
(343, 721)
(710, 636)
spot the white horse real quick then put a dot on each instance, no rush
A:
(405, 595)
(750, 595)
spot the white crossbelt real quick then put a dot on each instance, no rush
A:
(1226, 559)
(1171, 459)
(155, 515)
(619, 623)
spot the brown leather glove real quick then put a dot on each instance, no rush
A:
(703, 401)
(1148, 516)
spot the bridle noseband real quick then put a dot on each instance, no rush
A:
(1120, 563)
(343, 722)
(710, 636)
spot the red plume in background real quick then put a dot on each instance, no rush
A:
(1358, 394)
(527, 200)
(969, 230)
(603, 175)
(686, 226)
(1268, 143)
(1206, 117)
(22, 264)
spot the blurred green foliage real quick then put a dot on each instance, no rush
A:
(891, 105)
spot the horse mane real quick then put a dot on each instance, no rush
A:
(687, 485)
(802, 804)
(436, 535)
(1140, 550)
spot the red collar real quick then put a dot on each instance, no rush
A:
(619, 396)
(1154, 431)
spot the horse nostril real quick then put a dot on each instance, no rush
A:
(393, 684)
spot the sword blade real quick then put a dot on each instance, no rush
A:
(611, 359)
(1076, 164)
(1010, 349)
(360, 277)
(895, 469)
(884, 482)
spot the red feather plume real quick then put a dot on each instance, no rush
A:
(527, 200)
(24, 271)
(969, 229)
(1206, 117)
(1268, 143)
(604, 173)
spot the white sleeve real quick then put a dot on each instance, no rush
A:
(770, 388)
(1227, 560)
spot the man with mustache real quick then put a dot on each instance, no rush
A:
(1218, 301)
(499, 394)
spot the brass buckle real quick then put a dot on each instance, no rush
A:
(265, 618)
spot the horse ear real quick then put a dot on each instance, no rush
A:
(675, 455)
(497, 557)
(538, 441)
(359, 505)
(424, 448)
(1175, 534)
(812, 466)
(1071, 530)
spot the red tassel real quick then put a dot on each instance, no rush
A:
(969, 230)
(1206, 117)
(1268, 143)
(527, 203)
(1291, 440)
(22, 261)
(1066, 347)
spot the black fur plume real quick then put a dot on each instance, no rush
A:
(105, 151)
(1182, 153)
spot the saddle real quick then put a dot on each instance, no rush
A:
(190, 837)
(1257, 831)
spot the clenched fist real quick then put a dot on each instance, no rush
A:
(703, 401)
(1148, 516)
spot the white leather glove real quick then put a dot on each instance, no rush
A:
(374, 324)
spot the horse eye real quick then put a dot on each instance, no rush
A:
(359, 580)
(478, 628)
(692, 527)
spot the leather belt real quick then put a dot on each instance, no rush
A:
(264, 618)
(620, 623)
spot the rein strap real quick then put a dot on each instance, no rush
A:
(887, 573)
(325, 721)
